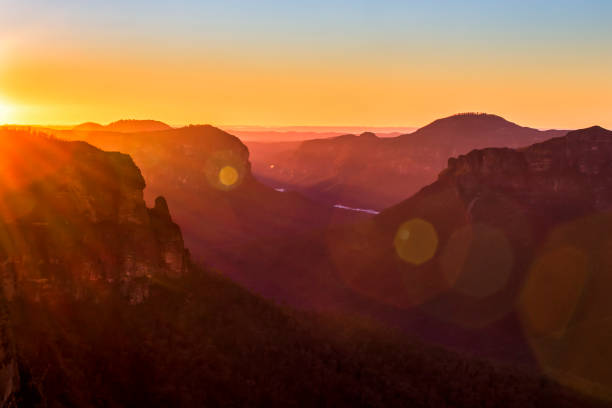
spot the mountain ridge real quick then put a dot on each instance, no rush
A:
(125, 126)
(377, 173)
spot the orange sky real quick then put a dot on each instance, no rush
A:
(70, 67)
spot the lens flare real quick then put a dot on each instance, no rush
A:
(477, 260)
(553, 290)
(416, 241)
(228, 176)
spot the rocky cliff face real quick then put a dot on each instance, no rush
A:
(73, 220)
(74, 225)
(572, 171)
(495, 213)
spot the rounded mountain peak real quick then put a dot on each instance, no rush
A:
(471, 120)
(136, 125)
(368, 135)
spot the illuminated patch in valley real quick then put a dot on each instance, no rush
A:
(416, 241)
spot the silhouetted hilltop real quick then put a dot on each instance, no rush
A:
(89, 126)
(133, 125)
(461, 133)
(477, 121)
(370, 172)
(125, 126)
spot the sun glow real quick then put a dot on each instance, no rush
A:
(5, 111)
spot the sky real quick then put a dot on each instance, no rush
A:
(545, 64)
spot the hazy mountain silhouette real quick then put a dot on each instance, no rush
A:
(369, 172)
(519, 242)
(125, 125)
(89, 126)
(280, 136)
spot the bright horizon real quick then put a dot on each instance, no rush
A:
(273, 64)
(340, 129)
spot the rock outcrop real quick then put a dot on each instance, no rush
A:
(73, 220)
(573, 169)
(74, 225)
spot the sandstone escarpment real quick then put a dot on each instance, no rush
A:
(560, 177)
(73, 221)
(74, 225)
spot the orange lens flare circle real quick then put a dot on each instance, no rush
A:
(553, 290)
(228, 176)
(416, 241)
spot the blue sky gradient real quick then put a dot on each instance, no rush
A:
(449, 43)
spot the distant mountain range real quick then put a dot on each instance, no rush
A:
(301, 133)
(366, 171)
(124, 125)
